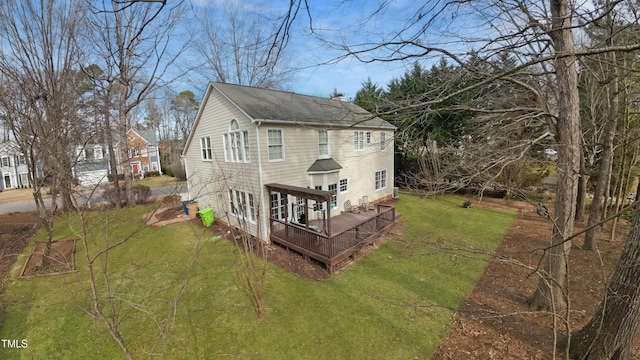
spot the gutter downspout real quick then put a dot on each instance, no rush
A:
(263, 209)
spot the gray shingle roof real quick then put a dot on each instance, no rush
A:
(324, 165)
(281, 106)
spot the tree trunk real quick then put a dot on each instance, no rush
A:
(124, 151)
(582, 191)
(113, 165)
(606, 157)
(610, 333)
(551, 294)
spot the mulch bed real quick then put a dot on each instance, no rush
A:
(495, 321)
(61, 259)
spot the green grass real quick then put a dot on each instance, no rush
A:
(394, 303)
(164, 180)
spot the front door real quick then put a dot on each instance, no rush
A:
(135, 168)
(7, 181)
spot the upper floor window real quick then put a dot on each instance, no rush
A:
(383, 139)
(132, 153)
(275, 143)
(205, 147)
(144, 152)
(236, 144)
(97, 152)
(5, 161)
(233, 125)
(368, 137)
(323, 143)
(80, 153)
(358, 140)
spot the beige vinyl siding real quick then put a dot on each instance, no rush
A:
(359, 167)
(209, 181)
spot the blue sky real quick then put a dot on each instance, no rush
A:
(336, 21)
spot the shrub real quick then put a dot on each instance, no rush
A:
(141, 194)
(151, 173)
(177, 168)
(167, 170)
(111, 177)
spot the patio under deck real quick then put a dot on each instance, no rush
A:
(349, 232)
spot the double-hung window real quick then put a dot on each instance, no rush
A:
(358, 140)
(205, 147)
(5, 161)
(383, 139)
(381, 179)
(323, 144)
(275, 143)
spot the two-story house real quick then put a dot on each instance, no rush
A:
(91, 164)
(13, 167)
(143, 154)
(303, 171)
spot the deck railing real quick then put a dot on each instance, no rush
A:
(326, 248)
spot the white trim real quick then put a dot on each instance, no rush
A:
(264, 210)
(282, 144)
(358, 140)
(209, 153)
(340, 185)
(328, 154)
(382, 180)
(4, 183)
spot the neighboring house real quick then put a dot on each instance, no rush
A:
(143, 153)
(292, 168)
(13, 167)
(91, 164)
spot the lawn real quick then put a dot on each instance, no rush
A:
(164, 180)
(394, 303)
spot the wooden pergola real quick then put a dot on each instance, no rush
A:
(307, 194)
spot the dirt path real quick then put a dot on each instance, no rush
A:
(15, 230)
(495, 323)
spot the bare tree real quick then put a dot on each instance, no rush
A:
(610, 333)
(42, 94)
(234, 44)
(609, 131)
(136, 44)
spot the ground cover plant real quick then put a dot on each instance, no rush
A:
(396, 302)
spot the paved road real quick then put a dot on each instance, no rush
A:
(29, 205)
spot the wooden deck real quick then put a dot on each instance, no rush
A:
(349, 233)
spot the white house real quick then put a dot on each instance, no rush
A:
(91, 164)
(271, 161)
(13, 167)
